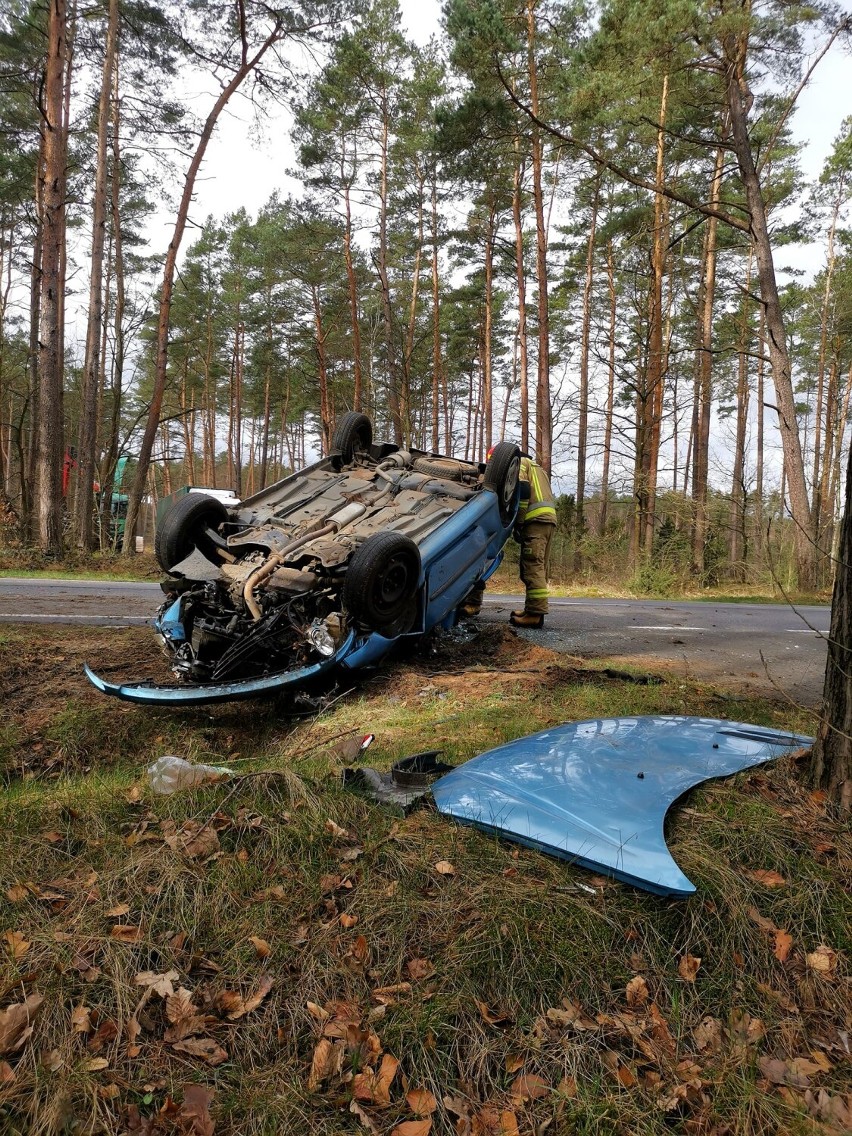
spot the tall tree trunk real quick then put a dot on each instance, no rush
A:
(739, 100)
(437, 365)
(28, 449)
(51, 347)
(821, 365)
(831, 763)
(544, 406)
(656, 351)
(521, 276)
(87, 438)
(394, 399)
(322, 372)
(145, 449)
(736, 522)
(353, 296)
(488, 346)
(704, 384)
(583, 417)
(610, 391)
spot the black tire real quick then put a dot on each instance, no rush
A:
(187, 526)
(502, 474)
(353, 434)
(381, 583)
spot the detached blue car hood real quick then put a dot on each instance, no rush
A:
(597, 792)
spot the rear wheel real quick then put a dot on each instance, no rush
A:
(502, 474)
(352, 435)
(192, 522)
(381, 583)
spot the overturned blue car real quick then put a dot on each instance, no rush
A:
(326, 569)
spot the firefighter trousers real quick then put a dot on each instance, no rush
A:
(536, 537)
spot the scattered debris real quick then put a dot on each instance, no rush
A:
(169, 774)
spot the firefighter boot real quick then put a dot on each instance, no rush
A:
(531, 619)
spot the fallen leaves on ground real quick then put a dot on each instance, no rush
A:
(822, 961)
(16, 944)
(767, 878)
(235, 1006)
(688, 967)
(16, 1023)
(445, 868)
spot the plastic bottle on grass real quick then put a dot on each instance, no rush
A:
(170, 774)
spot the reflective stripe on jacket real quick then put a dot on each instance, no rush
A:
(538, 504)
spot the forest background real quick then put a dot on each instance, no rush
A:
(552, 222)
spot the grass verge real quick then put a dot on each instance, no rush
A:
(289, 957)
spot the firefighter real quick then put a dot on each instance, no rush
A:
(534, 528)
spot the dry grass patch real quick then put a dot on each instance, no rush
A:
(288, 957)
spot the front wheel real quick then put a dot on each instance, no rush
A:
(192, 522)
(381, 583)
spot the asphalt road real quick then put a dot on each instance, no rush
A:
(743, 647)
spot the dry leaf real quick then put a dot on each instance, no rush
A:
(823, 960)
(117, 911)
(513, 1062)
(421, 1102)
(162, 984)
(196, 1111)
(783, 945)
(794, 1073)
(348, 921)
(126, 933)
(529, 1086)
(16, 1023)
(52, 1061)
(96, 1064)
(16, 944)
(336, 831)
(326, 1062)
(413, 1128)
(204, 1047)
(491, 1121)
(374, 1087)
(419, 968)
(761, 920)
(234, 1006)
(108, 1092)
(106, 1032)
(363, 1117)
(493, 1017)
(708, 1035)
(637, 991)
(688, 966)
(7, 1073)
(262, 948)
(767, 878)
(445, 868)
(193, 839)
(16, 893)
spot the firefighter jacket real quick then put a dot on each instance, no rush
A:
(537, 502)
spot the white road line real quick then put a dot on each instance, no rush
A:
(665, 627)
(805, 631)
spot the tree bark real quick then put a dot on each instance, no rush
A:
(583, 417)
(704, 383)
(87, 439)
(543, 402)
(51, 347)
(521, 275)
(739, 99)
(831, 763)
